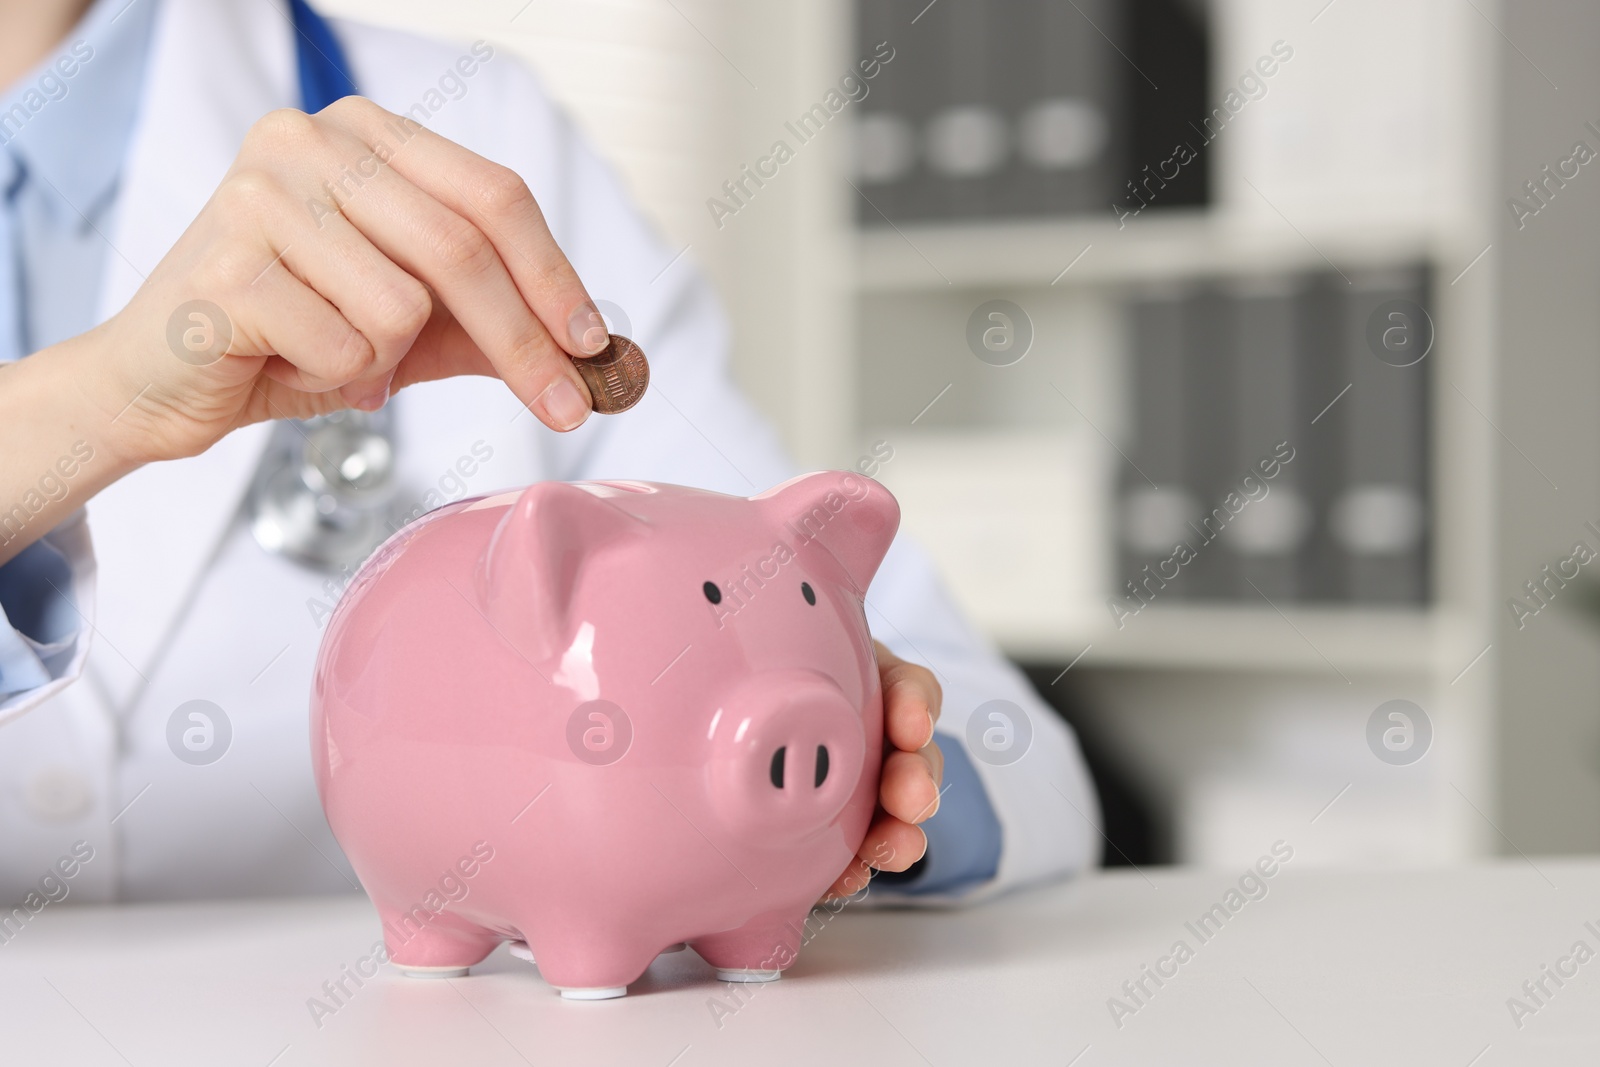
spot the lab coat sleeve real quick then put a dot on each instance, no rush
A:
(998, 825)
(46, 616)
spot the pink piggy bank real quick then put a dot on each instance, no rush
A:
(606, 719)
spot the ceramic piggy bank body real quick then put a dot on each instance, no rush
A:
(606, 719)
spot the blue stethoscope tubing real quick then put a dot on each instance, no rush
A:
(324, 70)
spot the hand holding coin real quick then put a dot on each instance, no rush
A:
(617, 376)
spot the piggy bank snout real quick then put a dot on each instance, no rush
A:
(787, 753)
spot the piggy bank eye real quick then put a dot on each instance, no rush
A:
(809, 593)
(713, 594)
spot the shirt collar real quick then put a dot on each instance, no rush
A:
(70, 119)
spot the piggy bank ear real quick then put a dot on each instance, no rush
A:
(850, 515)
(527, 576)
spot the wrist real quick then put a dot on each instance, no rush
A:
(117, 396)
(58, 453)
(88, 403)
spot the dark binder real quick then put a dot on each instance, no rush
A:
(1155, 503)
(1269, 534)
(966, 127)
(1323, 423)
(1211, 404)
(1380, 518)
(884, 124)
(1062, 90)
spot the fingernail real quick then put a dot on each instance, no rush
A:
(587, 328)
(930, 727)
(565, 405)
(379, 396)
(924, 851)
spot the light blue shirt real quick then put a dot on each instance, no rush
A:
(64, 130)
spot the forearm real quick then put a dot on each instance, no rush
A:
(57, 441)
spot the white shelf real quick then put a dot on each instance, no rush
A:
(1034, 252)
(1335, 641)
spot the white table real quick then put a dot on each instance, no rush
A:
(1330, 967)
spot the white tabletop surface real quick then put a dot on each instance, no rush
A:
(1330, 968)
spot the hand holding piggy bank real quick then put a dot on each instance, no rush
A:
(620, 716)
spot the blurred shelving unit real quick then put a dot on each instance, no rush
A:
(1007, 474)
(1398, 136)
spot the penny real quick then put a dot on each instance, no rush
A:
(616, 377)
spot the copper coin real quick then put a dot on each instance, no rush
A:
(616, 377)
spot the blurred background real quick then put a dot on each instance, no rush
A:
(1236, 359)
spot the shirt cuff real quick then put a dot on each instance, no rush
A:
(964, 837)
(40, 624)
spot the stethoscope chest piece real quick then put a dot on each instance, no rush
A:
(323, 492)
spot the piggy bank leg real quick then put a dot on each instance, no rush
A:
(758, 951)
(585, 962)
(600, 992)
(422, 944)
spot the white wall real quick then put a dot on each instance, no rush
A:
(635, 74)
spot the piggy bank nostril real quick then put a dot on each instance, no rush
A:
(777, 766)
(822, 766)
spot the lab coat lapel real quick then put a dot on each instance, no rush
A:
(216, 66)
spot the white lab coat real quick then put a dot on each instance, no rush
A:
(186, 606)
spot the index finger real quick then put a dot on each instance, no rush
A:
(496, 199)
